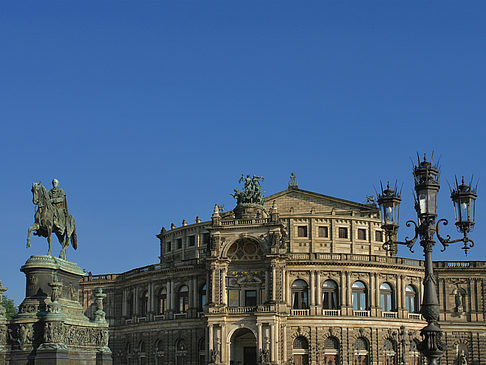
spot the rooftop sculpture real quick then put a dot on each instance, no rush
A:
(252, 191)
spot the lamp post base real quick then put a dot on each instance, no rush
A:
(431, 346)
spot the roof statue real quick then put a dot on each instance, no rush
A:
(293, 182)
(252, 191)
(52, 216)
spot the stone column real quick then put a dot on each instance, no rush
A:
(195, 294)
(259, 339)
(342, 292)
(288, 290)
(349, 301)
(318, 291)
(124, 303)
(267, 286)
(273, 341)
(137, 300)
(372, 294)
(224, 352)
(150, 297)
(223, 286)
(402, 297)
(173, 304)
(377, 295)
(211, 337)
(274, 282)
(312, 291)
(284, 335)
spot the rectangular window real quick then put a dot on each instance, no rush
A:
(361, 234)
(233, 298)
(343, 232)
(169, 246)
(302, 231)
(323, 232)
(179, 243)
(379, 236)
(191, 241)
(205, 239)
(250, 298)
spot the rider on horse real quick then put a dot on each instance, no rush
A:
(57, 197)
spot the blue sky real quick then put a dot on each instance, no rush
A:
(148, 112)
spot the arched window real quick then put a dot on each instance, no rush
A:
(331, 351)
(389, 352)
(181, 352)
(386, 297)
(129, 354)
(144, 300)
(162, 301)
(359, 296)
(202, 298)
(202, 351)
(183, 299)
(159, 353)
(299, 295)
(300, 352)
(411, 302)
(361, 351)
(142, 356)
(329, 295)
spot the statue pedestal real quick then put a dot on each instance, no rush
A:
(51, 327)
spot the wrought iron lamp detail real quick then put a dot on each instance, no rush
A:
(426, 181)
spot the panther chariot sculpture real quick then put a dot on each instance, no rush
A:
(52, 216)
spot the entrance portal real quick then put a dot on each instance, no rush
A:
(243, 348)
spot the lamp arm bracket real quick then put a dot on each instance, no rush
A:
(445, 241)
(387, 246)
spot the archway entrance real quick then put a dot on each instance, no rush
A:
(243, 349)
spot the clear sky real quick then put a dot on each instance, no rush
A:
(148, 112)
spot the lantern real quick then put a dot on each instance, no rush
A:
(426, 176)
(389, 202)
(464, 197)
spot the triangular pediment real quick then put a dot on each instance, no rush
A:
(294, 200)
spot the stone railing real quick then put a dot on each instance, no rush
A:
(266, 308)
(389, 314)
(103, 277)
(361, 313)
(300, 312)
(355, 257)
(244, 222)
(415, 316)
(180, 315)
(459, 264)
(331, 312)
(159, 317)
(241, 309)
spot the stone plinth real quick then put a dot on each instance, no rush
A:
(249, 211)
(51, 327)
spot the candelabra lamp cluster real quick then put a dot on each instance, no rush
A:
(426, 180)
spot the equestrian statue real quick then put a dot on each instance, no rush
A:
(52, 216)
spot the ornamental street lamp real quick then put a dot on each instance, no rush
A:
(426, 180)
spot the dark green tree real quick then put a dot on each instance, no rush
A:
(10, 309)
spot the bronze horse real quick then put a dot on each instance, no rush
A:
(45, 222)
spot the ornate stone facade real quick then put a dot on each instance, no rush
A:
(303, 280)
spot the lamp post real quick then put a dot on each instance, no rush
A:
(426, 180)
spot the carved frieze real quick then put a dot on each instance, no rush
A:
(75, 336)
